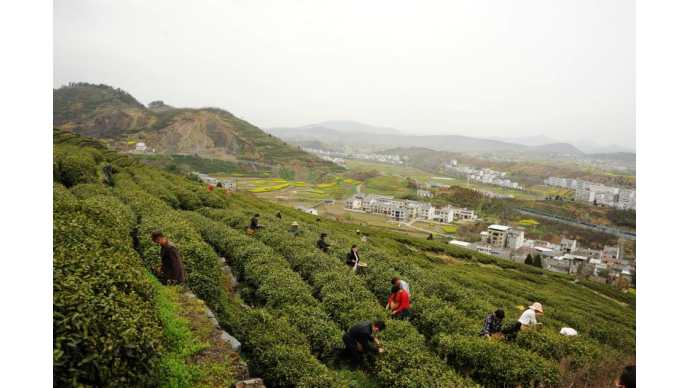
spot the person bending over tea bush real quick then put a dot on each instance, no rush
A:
(492, 323)
(294, 229)
(360, 340)
(254, 225)
(353, 259)
(528, 319)
(399, 303)
(172, 270)
(322, 244)
(396, 281)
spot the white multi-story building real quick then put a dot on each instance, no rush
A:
(568, 246)
(496, 235)
(502, 236)
(444, 214)
(626, 199)
(464, 214)
(585, 191)
(140, 147)
(516, 239)
(406, 209)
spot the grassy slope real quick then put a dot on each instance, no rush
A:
(194, 355)
(465, 289)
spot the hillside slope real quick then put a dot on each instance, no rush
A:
(114, 115)
(295, 301)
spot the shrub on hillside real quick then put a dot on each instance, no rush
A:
(199, 259)
(105, 329)
(73, 165)
(496, 363)
(278, 352)
(274, 284)
(86, 190)
(343, 296)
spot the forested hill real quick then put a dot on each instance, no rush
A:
(115, 325)
(112, 114)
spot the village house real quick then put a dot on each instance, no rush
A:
(502, 236)
(464, 214)
(568, 246)
(406, 209)
(610, 255)
(444, 214)
(602, 195)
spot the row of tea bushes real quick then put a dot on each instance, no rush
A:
(105, 327)
(204, 276)
(274, 283)
(407, 361)
(443, 318)
(278, 351)
(582, 355)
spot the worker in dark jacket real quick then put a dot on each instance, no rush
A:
(430, 237)
(353, 259)
(322, 244)
(360, 339)
(171, 270)
(254, 225)
(279, 216)
(492, 323)
(108, 172)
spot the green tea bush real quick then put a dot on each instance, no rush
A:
(73, 165)
(276, 349)
(276, 285)
(496, 363)
(344, 297)
(86, 190)
(199, 259)
(105, 328)
(64, 201)
(463, 296)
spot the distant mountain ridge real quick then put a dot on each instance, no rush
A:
(112, 114)
(537, 140)
(330, 133)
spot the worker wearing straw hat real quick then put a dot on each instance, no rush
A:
(294, 229)
(528, 319)
(529, 316)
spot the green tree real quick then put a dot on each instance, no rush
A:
(528, 260)
(537, 261)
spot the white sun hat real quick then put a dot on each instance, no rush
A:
(536, 306)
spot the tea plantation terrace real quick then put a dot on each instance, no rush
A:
(291, 303)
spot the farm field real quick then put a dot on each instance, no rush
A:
(297, 192)
(402, 172)
(293, 302)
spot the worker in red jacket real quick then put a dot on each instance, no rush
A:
(399, 303)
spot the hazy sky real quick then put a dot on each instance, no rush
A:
(482, 68)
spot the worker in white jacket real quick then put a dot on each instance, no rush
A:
(529, 316)
(526, 320)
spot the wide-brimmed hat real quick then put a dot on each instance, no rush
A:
(536, 306)
(294, 223)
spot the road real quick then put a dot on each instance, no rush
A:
(599, 228)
